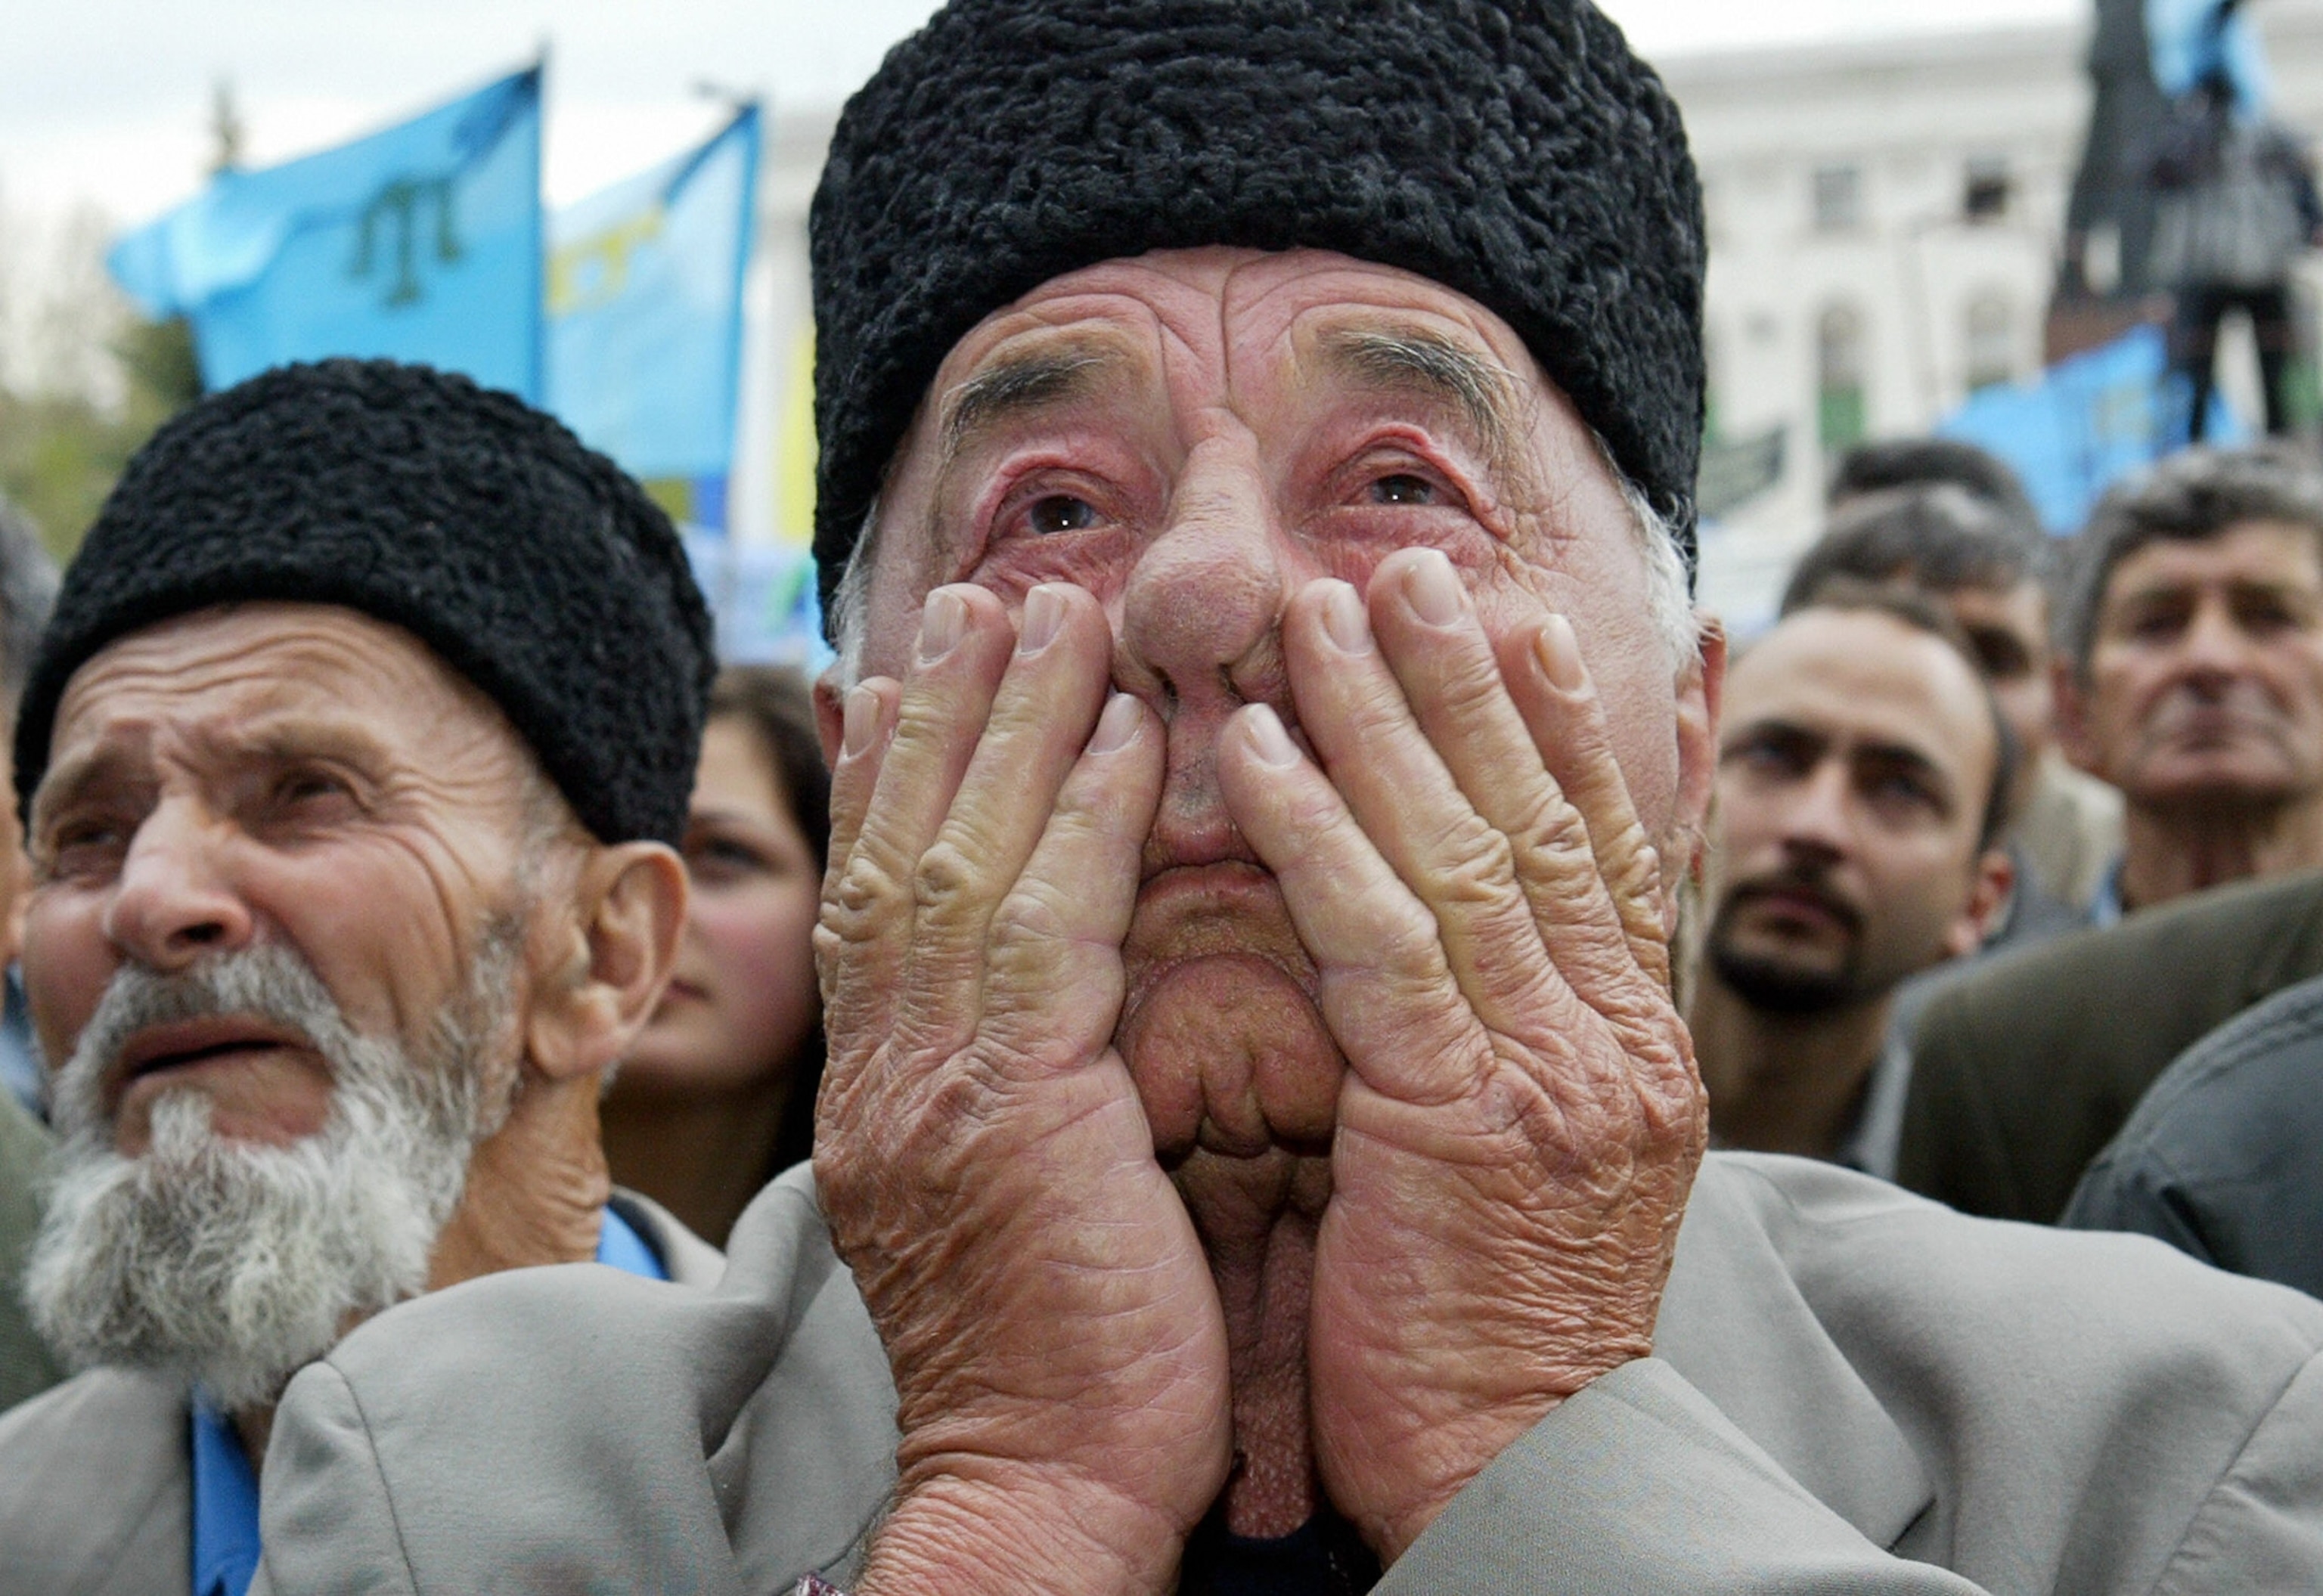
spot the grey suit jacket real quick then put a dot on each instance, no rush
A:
(96, 1475)
(1853, 1391)
(26, 1369)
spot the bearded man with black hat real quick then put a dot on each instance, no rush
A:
(1259, 1150)
(351, 765)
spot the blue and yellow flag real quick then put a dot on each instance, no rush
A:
(644, 319)
(420, 243)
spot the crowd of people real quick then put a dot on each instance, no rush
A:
(1289, 1017)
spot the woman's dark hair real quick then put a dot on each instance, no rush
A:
(779, 707)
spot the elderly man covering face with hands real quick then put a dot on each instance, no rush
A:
(1254, 506)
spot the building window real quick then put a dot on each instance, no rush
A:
(1841, 407)
(1991, 344)
(1837, 198)
(1984, 194)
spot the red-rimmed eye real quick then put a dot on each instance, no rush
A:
(1060, 512)
(1402, 488)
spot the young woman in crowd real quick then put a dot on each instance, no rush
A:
(718, 1095)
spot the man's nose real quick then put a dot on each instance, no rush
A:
(2215, 647)
(171, 904)
(1819, 820)
(1200, 611)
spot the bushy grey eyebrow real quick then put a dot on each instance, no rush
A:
(1438, 369)
(1019, 386)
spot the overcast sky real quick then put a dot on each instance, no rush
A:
(106, 101)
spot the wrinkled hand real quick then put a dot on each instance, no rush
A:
(1521, 1119)
(987, 1169)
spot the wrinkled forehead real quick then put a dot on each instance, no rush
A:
(1861, 676)
(2256, 550)
(250, 666)
(1246, 317)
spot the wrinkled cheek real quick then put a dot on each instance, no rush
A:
(66, 967)
(1228, 1053)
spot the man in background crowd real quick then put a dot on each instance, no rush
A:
(1990, 565)
(353, 879)
(1983, 569)
(2191, 623)
(1862, 780)
(2191, 619)
(28, 586)
(1888, 463)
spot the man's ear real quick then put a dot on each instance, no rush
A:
(1701, 690)
(1989, 898)
(2072, 719)
(619, 944)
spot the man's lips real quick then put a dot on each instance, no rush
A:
(1798, 904)
(187, 1043)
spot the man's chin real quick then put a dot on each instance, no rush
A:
(1230, 1055)
(1779, 985)
(2210, 788)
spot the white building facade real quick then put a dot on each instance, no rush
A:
(1886, 219)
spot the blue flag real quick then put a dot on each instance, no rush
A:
(418, 243)
(2090, 420)
(644, 319)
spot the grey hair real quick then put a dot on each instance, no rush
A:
(1669, 597)
(1669, 588)
(851, 602)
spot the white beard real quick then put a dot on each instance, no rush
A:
(233, 1264)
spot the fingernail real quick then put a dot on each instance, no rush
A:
(1272, 743)
(1044, 617)
(1117, 726)
(1431, 588)
(943, 621)
(1559, 653)
(859, 718)
(1344, 621)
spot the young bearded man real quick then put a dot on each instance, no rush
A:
(1862, 784)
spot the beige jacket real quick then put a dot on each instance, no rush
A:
(1854, 1391)
(97, 1474)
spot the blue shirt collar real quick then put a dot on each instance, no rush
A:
(225, 1486)
(2105, 907)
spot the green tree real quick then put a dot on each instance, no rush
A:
(61, 452)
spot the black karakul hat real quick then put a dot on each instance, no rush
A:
(1514, 151)
(530, 563)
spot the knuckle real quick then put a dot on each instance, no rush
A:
(1555, 833)
(1469, 679)
(866, 887)
(1409, 944)
(1032, 915)
(1483, 860)
(945, 881)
